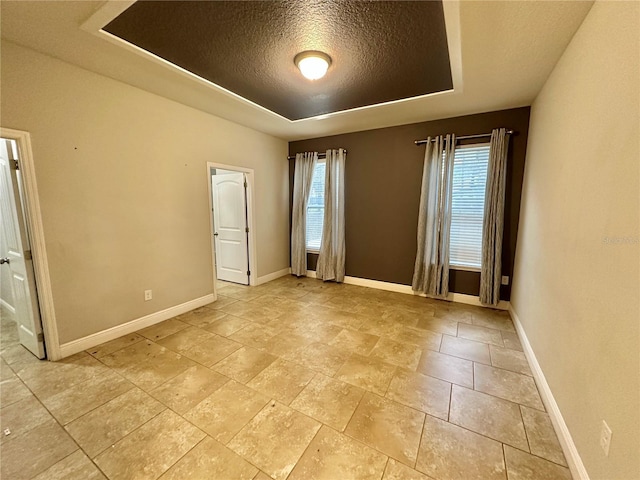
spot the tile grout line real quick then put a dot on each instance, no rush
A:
(424, 423)
(502, 398)
(504, 461)
(271, 400)
(495, 440)
(450, 402)
(384, 470)
(305, 449)
(117, 370)
(393, 375)
(186, 453)
(296, 411)
(64, 458)
(134, 386)
(346, 425)
(117, 350)
(524, 424)
(393, 401)
(498, 398)
(182, 415)
(129, 433)
(473, 374)
(64, 430)
(315, 374)
(539, 457)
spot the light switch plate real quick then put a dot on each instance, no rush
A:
(505, 280)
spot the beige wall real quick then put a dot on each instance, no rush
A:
(123, 185)
(575, 293)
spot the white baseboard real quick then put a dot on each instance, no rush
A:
(112, 333)
(406, 289)
(564, 435)
(473, 300)
(272, 276)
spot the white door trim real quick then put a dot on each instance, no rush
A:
(253, 259)
(36, 236)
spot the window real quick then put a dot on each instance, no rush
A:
(315, 208)
(467, 209)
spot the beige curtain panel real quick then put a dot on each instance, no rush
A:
(431, 272)
(332, 248)
(303, 174)
(491, 273)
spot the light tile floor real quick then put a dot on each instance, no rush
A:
(293, 379)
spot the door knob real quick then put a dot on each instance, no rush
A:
(215, 234)
(4, 260)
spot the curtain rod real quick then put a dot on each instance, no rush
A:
(320, 155)
(465, 137)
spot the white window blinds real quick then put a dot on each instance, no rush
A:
(467, 209)
(315, 208)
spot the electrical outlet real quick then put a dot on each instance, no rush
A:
(505, 280)
(605, 438)
(148, 295)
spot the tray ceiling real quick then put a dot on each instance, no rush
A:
(501, 53)
(381, 51)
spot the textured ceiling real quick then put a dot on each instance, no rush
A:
(381, 51)
(501, 55)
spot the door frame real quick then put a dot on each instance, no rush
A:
(253, 260)
(33, 215)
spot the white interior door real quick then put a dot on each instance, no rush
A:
(230, 227)
(18, 257)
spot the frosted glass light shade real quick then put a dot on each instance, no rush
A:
(313, 65)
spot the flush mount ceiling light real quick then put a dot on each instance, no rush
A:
(312, 64)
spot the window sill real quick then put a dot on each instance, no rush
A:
(316, 252)
(465, 268)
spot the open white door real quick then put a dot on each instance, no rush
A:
(18, 258)
(230, 227)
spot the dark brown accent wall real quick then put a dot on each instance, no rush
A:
(382, 193)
